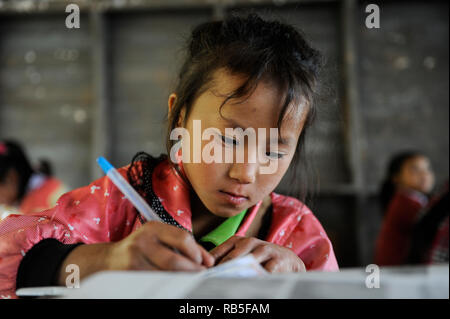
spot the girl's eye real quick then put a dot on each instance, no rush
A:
(229, 141)
(274, 155)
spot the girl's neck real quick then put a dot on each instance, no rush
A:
(203, 221)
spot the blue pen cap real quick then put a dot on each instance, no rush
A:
(104, 164)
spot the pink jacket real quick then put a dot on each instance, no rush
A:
(100, 213)
(43, 197)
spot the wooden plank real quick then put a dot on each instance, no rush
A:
(101, 126)
(352, 131)
(145, 62)
(350, 98)
(58, 6)
(45, 92)
(404, 82)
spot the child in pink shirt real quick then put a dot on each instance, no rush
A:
(22, 188)
(243, 72)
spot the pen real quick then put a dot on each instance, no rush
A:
(130, 193)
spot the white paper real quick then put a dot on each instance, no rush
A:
(242, 267)
(395, 282)
(242, 279)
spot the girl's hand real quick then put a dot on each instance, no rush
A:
(272, 257)
(152, 248)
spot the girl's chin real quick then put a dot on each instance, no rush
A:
(225, 212)
(221, 208)
(422, 188)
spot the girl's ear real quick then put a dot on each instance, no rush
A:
(12, 177)
(12, 186)
(171, 104)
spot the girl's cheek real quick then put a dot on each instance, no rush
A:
(208, 173)
(429, 182)
(268, 183)
(405, 179)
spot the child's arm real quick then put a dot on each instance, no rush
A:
(97, 213)
(148, 248)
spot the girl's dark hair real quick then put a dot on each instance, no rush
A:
(45, 167)
(12, 156)
(256, 49)
(388, 187)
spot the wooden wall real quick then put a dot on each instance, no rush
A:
(74, 94)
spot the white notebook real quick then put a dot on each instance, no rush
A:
(243, 278)
(243, 267)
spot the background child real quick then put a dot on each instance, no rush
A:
(243, 71)
(404, 194)
(21, 187)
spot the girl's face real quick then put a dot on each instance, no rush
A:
(416, 174)
(226, 189)
(9, 188)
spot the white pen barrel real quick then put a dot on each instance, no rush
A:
(140, 204)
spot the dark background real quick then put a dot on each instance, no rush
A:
(74, 94)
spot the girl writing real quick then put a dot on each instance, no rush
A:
(22, 188)
(243, 72)
(404, 194)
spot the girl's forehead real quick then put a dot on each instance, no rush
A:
(418, 160)
(262, 107)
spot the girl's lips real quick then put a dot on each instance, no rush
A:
(233, 198)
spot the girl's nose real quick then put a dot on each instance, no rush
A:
(245, 173)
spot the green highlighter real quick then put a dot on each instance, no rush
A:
(225, 230)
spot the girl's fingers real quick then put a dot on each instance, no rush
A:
(241, 248)
(302, 267)
(144, 263)
(262, 253)
(272, 266)
(221, 250)
(207, 259)
(275, 265)
(180, 240)
(166, 258)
